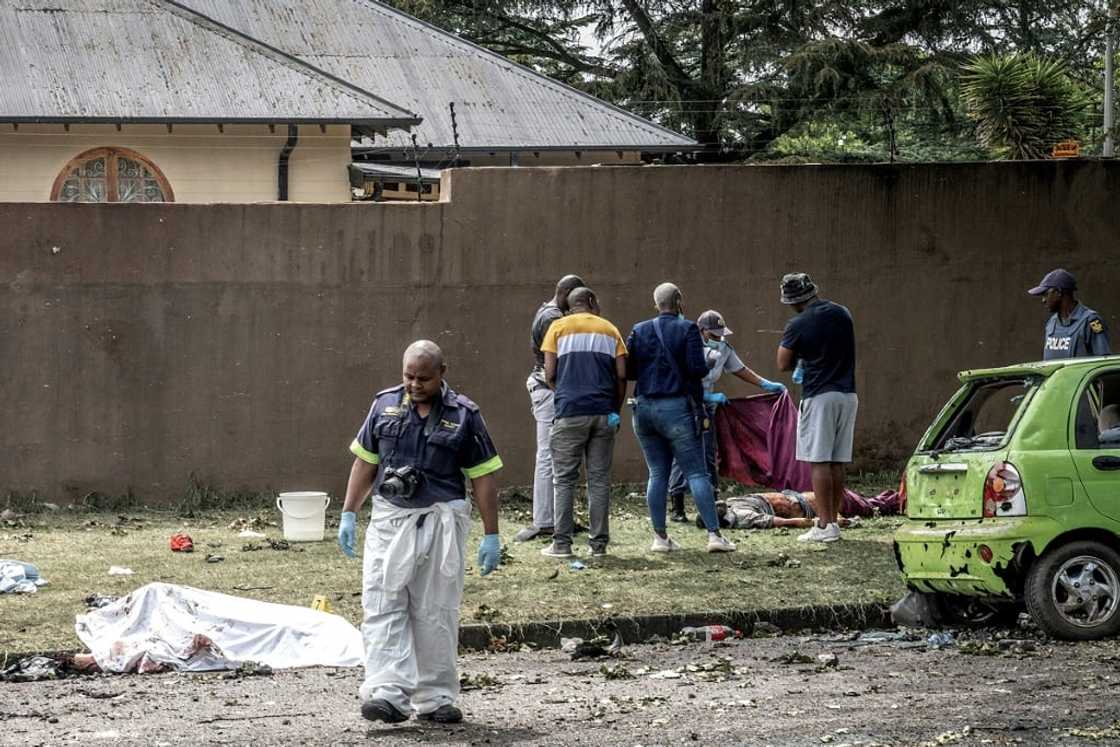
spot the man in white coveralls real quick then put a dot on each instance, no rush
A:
(417, 447)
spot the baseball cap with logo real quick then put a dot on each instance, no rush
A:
(797, 287)
(712, 321)
(1058, 279)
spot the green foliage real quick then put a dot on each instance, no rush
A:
(1022, 104)
(822, 142)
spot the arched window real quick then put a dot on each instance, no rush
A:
(111, 175)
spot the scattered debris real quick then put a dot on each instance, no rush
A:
(765, 629)
(97, 601)
(321, 603)
(33, 669)
(486, 613)
(182, 542)
(666, 674)
(250, 534)
(915, 610)
(479, 681)
(828, 660)
(253, 588)
(248, 669)
(120, 570)
(577, 565)
(255, 523)
(794, 657)
(709, 633)
(617, 672)
(250, 547)
(17, 577)
(940, 640)
(283, 545)
(554, 574)
(214, 558)
(781, 560)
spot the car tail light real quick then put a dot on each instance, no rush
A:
(1003, 492)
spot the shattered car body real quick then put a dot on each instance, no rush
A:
(1013, 494)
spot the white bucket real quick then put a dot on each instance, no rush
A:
(305, 515)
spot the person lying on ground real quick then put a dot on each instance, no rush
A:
(774, 510)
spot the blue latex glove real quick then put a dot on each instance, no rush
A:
(799, 373)
(715, 398)
(771, 386)
(347, 532)
(613, 420)
(489, 552)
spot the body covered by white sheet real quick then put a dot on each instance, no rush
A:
(179, 627)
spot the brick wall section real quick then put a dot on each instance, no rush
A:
(244, 342)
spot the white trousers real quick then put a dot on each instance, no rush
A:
(412, 583)
(544, 412)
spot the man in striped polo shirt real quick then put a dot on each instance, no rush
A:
(585, 363)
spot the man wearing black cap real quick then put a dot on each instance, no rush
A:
(1073, 330)
(820, 341)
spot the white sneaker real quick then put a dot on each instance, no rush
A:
(719, 543)
(830, 533)
(663, 544)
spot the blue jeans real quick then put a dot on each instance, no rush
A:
(667, 430)
(678, 485)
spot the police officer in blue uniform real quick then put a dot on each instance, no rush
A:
(1073, 330)
(415, 451)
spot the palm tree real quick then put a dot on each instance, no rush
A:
(1022, 104)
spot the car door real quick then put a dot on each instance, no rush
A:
(1096, 455)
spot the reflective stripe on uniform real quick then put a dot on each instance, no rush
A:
(366, 456)
(493, 464)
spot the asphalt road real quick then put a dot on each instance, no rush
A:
(759, 691)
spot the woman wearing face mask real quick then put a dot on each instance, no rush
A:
(721, 358)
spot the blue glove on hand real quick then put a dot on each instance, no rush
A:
(347, 532)
(715, 398)
(799, 373)
(613, 420)
(489, 552)
(771, 386)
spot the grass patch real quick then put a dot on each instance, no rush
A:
(74, 550)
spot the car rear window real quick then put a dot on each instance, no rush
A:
(986, 414)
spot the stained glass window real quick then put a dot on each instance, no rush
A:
(111, 175)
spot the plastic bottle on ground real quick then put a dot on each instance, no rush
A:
(709, 632)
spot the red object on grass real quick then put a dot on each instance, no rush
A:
(182, 543)
(757, 442)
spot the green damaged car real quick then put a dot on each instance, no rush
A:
(1013, 497)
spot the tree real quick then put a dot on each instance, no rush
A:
(1023, 104)
(737, 74)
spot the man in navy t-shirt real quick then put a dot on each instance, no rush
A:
(819, 346)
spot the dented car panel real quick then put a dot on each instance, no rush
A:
(952, 543)
(947, 556)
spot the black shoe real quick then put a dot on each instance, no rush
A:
(679, 517)
(382, 710)
(445, 714)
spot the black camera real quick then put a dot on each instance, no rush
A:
(400, 482)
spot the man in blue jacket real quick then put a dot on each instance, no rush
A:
(667, 362)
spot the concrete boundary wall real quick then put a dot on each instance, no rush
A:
(141, 343)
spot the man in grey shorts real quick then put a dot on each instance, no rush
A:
(819, 346)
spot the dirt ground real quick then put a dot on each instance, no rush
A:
(758, 691)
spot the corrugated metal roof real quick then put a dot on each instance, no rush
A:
(155, 61)
(499, 105)
(396, 171)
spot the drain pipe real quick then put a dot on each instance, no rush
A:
(282, 164)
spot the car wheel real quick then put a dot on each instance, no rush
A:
(1073, 591)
